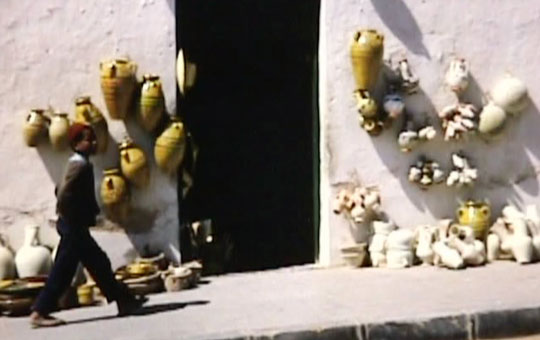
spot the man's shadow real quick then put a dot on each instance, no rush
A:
(146, 310)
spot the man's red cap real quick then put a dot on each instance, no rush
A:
(76, 129)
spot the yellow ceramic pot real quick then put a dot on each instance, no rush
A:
(133, 163)
(170, 147)
(87, 112)
(58, 131)
(85, 294)
(35, 127)
(366, 55)
(118, 84)
(476, 215)
(115, 195)
(152, 102)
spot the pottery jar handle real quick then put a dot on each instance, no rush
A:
(110, 184)
(125, 154)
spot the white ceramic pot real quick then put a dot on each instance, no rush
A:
(7, 262)
(492, 119)
(457, 76)
(522, 248)
(510, 94)
(399, 258)
(493, 247)
(425, 236)
(32, 258)
(448, 256)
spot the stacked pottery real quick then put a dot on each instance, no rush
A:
(32, 259)
(58, 131)
(170, 147)
(152, 102)
(118, 84)
(476, 215)
(35, 127)
(115, 195)
(86, 112)
(7, 262)
(133, 163)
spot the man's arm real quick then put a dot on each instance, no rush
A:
(66, 189)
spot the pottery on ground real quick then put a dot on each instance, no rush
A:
(32, 259)
(476, 215)
(510, 93)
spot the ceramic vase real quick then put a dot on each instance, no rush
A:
(170, 147)
(476, 215)
(377, 245)
(492, 119)
(366, 55)
(425, 236)
(35, 127)
(58, 131)
(133, 164)
(32, 258)
(118, 84)
(399, 248)
(457, 75)
(510, 94)
(87, 112)
(7, 261)
(447, 256)
(152, 102)
(115, 195)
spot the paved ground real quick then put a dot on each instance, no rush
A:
(296, 300)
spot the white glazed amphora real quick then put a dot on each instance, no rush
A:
(32, 258)
(7, 262)
(399, 248)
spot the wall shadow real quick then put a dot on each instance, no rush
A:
(398, 18)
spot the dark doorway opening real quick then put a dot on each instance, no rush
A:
(253, 114)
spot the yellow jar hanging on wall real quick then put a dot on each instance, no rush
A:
(366, 55)
(476, 215)
(133, 163)
(87, 112)
(58, 131)
(118, 84)
(170, 147)
(35, 127)
(115, 195)
(152, 102)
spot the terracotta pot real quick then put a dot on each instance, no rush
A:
(476, 215)
(35, 127)
(32, 258)
(133, 164)
(118, 84)
(152, 102)
(115, 195)
(366, 55)
(58, 131)
(7, 261)
(87, 112)
(170, 147)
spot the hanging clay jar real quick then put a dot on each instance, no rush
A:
(476, 215)
(87, 112)
(35, 127)
(492, 119)
(152, 102)
(118, 84)
(7, 262)
(133, 163)
(58, 131)
(170, 147)
(32, 258)
(366, 55)
(510, 94)
(115, 195)
(186, 72)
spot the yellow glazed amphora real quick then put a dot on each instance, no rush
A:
(118, 84)
(115, 195)
(35, 127)
(58, 131)
(475, 214)
(152, 102)
(170, 147)
(87, 112)
(133, 163)
(366, 55)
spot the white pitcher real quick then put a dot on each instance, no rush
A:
(32, 258)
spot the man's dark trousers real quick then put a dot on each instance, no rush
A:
(76, 244)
